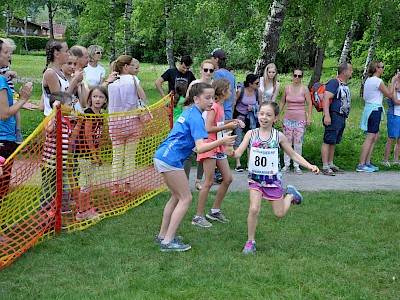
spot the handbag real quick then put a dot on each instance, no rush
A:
(145, 113)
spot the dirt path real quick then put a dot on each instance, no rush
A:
(349, 181)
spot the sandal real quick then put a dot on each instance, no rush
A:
(198, 185)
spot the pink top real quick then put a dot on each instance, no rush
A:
(219, 120)
(295, 105)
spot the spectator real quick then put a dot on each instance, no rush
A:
(335, 114)
(218, 58)
(175, 75)
(295, 119)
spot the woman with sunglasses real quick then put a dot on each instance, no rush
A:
(295, 119)
(269, 86)
(206, 72)
(94, 73)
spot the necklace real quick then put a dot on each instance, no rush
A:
(59, 73)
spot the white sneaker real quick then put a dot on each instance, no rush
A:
(386, 164)
(285, 169)
(298, 171)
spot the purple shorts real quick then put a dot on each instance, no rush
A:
(269, 193)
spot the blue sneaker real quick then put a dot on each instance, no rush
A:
(177, 239)
(174, 246)
(370, 165)
(250, 247)
(365, 169)
(297, 197)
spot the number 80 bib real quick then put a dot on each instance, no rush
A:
(263, 161)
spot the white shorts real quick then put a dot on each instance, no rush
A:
(164, 167)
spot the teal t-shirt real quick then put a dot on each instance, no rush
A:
(7, 127)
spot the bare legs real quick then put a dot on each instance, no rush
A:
(279, 207)
(178, 204)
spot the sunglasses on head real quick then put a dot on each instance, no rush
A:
(297, 75)
(99, 52)
(208, 70)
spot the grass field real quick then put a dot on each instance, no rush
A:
(347, 153)
(337, 245)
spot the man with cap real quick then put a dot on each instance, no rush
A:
(175, 75)
(218, 58)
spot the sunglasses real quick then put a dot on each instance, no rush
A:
(382, 67)
(297, 76)
(99, 52)
(256, 82)
(208, 70)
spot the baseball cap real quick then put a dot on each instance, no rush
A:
(217, 53)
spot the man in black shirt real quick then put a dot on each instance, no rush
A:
(174, 75)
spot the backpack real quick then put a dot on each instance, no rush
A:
(317, 95)
(240, 86)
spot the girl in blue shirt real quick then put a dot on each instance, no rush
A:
(188, 131)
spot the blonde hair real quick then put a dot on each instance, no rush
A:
(92, 51)
(221, 86)
(270, 66)
(10, 43)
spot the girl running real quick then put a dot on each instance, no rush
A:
(265, 179)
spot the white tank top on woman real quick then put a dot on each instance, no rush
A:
(46, 92)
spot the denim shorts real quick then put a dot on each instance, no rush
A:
(374, 121)
(333, 133)
(219, 156)
(393, 126)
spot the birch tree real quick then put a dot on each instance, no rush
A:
(169, 38)
(272, 31)
(348, 42)
(371, 51)
(127, 27)
(112, 31)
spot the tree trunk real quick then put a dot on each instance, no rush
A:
(272, 32)
(8, 20)
(112, 31)
(25, 32)
(169, 40)
(50, 11)
(370, 52)
(127, 27)
(318, 67)
(348, 42)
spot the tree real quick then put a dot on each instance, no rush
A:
(127, 27)
(112, 31)
(273, 28)
(371, 51)
(169, 37)
(348, 41)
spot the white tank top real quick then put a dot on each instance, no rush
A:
(64, 83)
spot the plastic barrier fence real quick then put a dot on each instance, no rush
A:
(75, 170)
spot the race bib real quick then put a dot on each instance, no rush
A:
(220, 134)
(263, 161)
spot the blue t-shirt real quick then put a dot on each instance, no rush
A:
(179, 144)
(7, 127)
(224, 73)
(341, 101)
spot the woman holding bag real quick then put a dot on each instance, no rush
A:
(125, 130)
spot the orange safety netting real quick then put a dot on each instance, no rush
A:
(75, 170)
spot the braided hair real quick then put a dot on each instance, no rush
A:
(51, 46)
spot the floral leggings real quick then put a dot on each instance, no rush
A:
(294, 131)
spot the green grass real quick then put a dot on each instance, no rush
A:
(347, 152)
(337, 245)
